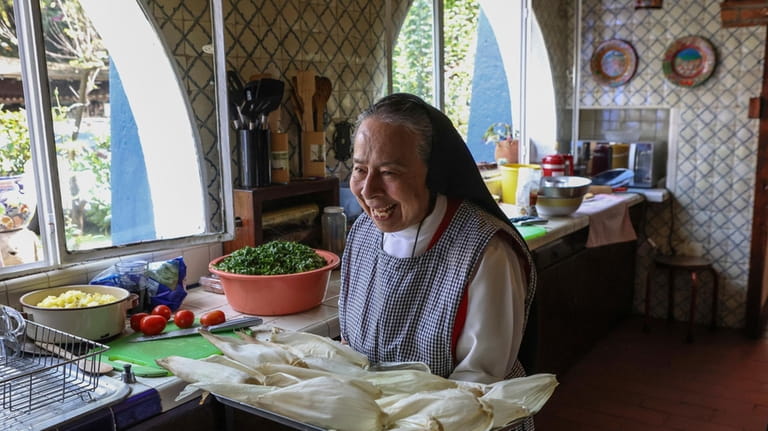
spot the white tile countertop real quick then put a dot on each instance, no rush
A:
(323, 320)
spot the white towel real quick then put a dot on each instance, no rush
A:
(609, 221)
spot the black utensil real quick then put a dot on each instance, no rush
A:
(262, 97)
(342, 140)
(236, 97)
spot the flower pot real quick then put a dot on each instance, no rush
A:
(506, 151)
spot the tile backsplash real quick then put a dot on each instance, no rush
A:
(624, 124)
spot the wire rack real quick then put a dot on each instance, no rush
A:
(34, 378)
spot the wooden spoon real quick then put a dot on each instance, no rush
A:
(305, 81)
(297, 105)
(323, 88)
(86, 365)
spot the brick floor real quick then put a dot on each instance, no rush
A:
(633, 380)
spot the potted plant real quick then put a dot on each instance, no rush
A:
(17, 197)
(506, 139)
(276, 278)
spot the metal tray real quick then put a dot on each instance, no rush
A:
(297, 425)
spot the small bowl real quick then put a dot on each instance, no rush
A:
(564, 186)
(273, 295)
(549, 206)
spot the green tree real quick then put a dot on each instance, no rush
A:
(413, 56)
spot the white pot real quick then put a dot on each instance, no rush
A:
(94, 323)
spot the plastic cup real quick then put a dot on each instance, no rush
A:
(509, 181)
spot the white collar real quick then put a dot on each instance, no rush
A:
(400, 243)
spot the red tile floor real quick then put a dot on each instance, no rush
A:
(633, 380)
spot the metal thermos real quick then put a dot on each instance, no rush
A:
(334, 229)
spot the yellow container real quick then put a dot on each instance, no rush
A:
(619, 156)
(509, 181)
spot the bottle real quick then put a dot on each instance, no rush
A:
(334, 229)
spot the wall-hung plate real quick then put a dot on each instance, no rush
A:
(613, 63)
(689, 61)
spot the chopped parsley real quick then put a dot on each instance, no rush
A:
(272, 258)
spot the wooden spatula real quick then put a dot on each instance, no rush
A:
(323, 88)
(87, 365)
(305, 82)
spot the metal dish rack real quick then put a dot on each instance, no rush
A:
(37, 379)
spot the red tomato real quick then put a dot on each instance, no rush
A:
(162, 310)
(153, 324)
(136, 321)
(213, 318)
(184, 318)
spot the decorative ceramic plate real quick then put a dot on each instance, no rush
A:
(689, 61)
(613, 63)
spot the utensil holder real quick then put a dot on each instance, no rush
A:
(280, 166)
(254, 158)
(313, 154)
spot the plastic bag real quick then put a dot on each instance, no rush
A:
(161, 283)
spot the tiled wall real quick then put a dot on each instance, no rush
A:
(710, 213)
(556, 17)
(342, 40)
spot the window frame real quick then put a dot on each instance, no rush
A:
(43, 149)
(524, 13)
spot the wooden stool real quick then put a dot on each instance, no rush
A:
(693, 265)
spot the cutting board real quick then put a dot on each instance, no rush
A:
(142, 355)
(531, 232)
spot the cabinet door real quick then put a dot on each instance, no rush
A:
(558, 314)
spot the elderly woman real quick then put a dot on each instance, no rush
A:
(433, 270)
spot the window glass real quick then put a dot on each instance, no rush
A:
(413, 57)
(113, 146)
(19, 245)
(477, 94)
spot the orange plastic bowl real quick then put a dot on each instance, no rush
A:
(272, 295)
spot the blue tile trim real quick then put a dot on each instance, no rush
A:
(137, 408)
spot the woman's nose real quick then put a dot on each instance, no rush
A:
(371, 186)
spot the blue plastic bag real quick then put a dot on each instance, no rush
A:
(161, 283)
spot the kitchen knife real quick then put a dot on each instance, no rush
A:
(241, 322)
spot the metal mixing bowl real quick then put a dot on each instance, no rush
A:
(563, 187)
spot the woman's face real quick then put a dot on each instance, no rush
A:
(388, 178)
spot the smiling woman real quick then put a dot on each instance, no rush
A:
(122, 130)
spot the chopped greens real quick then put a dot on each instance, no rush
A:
(272, 258)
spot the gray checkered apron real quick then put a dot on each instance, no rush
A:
(389, 308)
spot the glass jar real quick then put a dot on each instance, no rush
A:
(334, 229)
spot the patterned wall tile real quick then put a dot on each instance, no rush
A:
(712, 196)
(341, 40)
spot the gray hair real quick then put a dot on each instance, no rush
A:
(404, 110)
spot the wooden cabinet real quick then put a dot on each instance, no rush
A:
(251, 204)
(744, 13)
(582, 294)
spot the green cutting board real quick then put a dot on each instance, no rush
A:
(142, 355)
(531, 232)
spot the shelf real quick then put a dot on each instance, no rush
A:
(250, 205)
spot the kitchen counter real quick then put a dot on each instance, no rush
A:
(155, 395)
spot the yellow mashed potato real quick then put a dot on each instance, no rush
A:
(76, 299)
